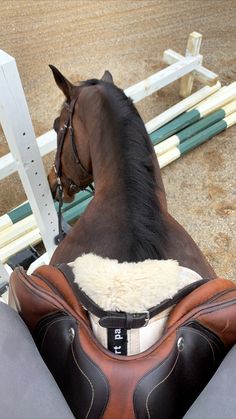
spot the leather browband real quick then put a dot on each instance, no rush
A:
(119, 319)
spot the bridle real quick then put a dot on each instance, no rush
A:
(57, 166)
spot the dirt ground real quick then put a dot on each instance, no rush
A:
(83, 38)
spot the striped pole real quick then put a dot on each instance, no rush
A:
(25, 232)
(24, 210)
(193, 142)
(182, 106)
(189, 117)
(192, 130)
(27, 224)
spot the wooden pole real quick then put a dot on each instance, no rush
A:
(193, 142)
(25, 233)
(191, 130)
(189, 117)
(181, 107)
(24, 210)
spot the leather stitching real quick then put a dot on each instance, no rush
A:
(160, 382)
(150, 372)
(174, 365)
(98, 370)
(87, 378)
(92, 388)
(82, 372)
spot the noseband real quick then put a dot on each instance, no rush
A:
(72, 186)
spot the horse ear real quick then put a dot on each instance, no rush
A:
(107, 77)
(62, 82)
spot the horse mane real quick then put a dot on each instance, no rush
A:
(147, 233)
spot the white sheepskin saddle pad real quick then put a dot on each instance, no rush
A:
(131, 288)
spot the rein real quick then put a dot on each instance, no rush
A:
(63, 227)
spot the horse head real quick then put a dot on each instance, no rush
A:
(72, 169)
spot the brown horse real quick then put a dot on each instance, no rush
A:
(102, 138)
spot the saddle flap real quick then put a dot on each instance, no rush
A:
(213, 305)
(42, 293)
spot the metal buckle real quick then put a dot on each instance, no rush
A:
(147, 318)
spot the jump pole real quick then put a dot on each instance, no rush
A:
(202, 74)
(189, 117)
(193, 142)
(181, 107)
(24, 210)
(26, 233)
(194, 129)
(216, 94)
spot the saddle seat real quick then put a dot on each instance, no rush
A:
(128, 288)
(163, 381)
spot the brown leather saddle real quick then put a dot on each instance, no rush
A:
(161, 382)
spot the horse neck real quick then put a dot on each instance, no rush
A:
(105, 161)
(126, 176)
(117, 160)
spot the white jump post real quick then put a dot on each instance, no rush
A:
(17, 126)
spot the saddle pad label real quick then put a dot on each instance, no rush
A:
(117, 341)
